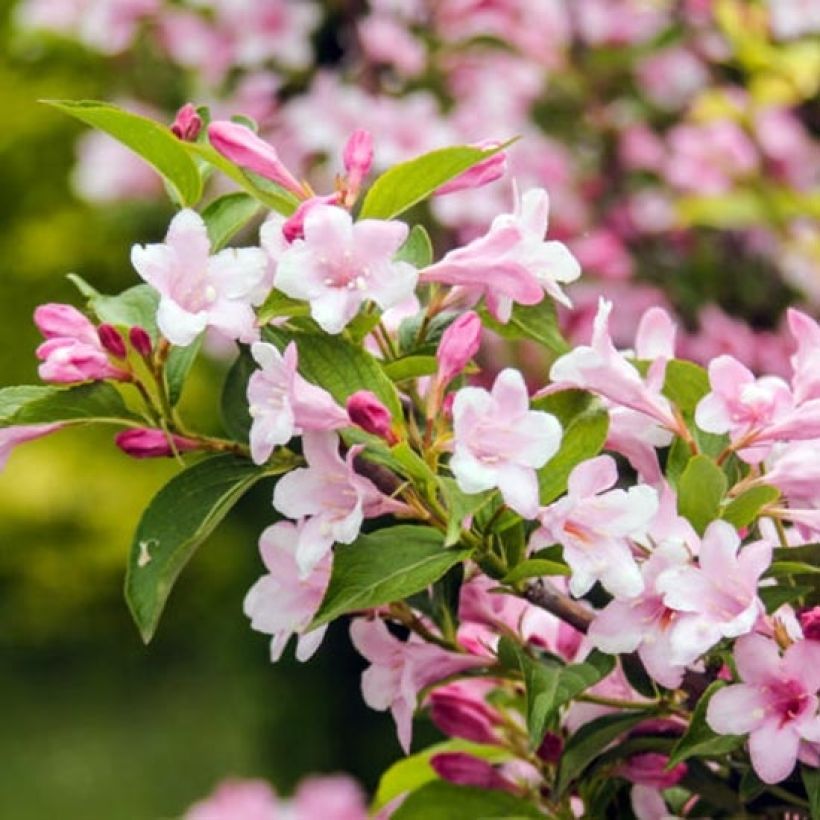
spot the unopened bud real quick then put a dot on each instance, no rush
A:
(459, 343)
(810, 623)
(366, 411)
(462, 716)
(466, 770)
(650, 769)
(482, 173)
(56, 320)
(146, 442)
(551, 747)
(111, 340)
(187, 124)
(140, 341)
(358, 157)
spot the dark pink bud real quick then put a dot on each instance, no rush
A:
(111, 340)
(294, 226)
(459, 343)
(649, 769)
(358, 157)
(460, 715)
(187, 123)
(447, 406)
(810, 623)
(466, 770)
(366, 411)
(241, 146)
(145, 442)
(140, 341)
(483, 173)
(551, 747)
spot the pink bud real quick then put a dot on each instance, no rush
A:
(482, 173)
(459, 343)
(111, 340)
(460, 715)
(145, 442)
(649, 769)
(366, 411)
(466, 770)
(358, 157)
(810, 623)
(240, 145)
(54, 321)
(294, 226)
(187, 124)
(551, 747)
(447, 406)
(140, 341)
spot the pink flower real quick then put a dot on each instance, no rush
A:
(595, 528)
(283, 404)
(145, 442)
(294, 226)
(500, 442)
(329, 498)
(234, 799)
(387, 42)
(241, 146)
(721, 591)
(806, 360)
(649, 769)
(776, 705)
(10, 437)
(467, 770)
(511, 263)
(72, 351)
(671, 77)
(339, 264)
(329, 797)
(198, 290)
(400, 669)
(601, 252)
(810, 623)
(283, 602)
(640, 148)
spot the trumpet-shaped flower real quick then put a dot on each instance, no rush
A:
(10, 437)
(283, 404)
(500, 442)
(198, 290)
(282, 603)
(339, 264)
(511, 263)
(776, 704)
(595, 528)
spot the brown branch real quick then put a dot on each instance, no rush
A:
(543, 594)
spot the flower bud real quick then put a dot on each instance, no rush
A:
(358, 157)
(145, 442)
(482, 173)
(54, 321)
(459, 714)
(366, 411)
(140, 341)
(466, 770)
(649, 769)
(241, 146)
(459, 343)
(551, 747)
(810, 623)
(187, 124)
(111, 340)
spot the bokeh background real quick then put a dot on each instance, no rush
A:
(679, 144)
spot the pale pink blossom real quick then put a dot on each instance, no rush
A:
(282, 403)
(234, 799)
(329, 797)
(618, 22)
(601, 252)
(10, 437)
(596, 527)
(640, 148)
(648, 803)
(794, 468)
(511, 263)
(806, 359)
(198, 290)
(339, 264)
(387, 42)
(282, 603)
(794, 18)
(776, 704)
(500, 442)
(400, 670)
(671, 77)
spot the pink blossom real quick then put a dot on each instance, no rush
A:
(387, 42)
(145, 442)
(500, 442)
(595, 528)
(282, 403)
(671, 77)
(794, 18)
(467, 770)
(721, 591)
(198, 290)
(459, 343)
(294, 226)
(511, 263)
(806, 359)
(794, 469)
(328, 497)
(400, 669)
(72, 351)
(649, 769)
(10, 437)
(810, 623)
(640, 148)
(283, 602)
(339, 264)
(648, 803)
(234, 799)
(776, 704)
(617, 22)
(601, 252)
(329, 797)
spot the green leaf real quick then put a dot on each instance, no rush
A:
(535, 568)
(417, 248)
(412, 464)
(179, 518)
(178, 366)
(537, 323)
(46, 405)
(409, 331)
(745, 508)
(440, 800)
(776, 596)
(227, 215)
(460, 505)
(340, 367)
(385, 566)
(410, 367)
(565, 405)
(685, 384)
(410, 773)
(590, 741)
(410, 182)
(233, 405)
(151, 140)
(135, 306)
(699, 739)
(582, 440)
(700, 490)
(277, 304)
(811, 782)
